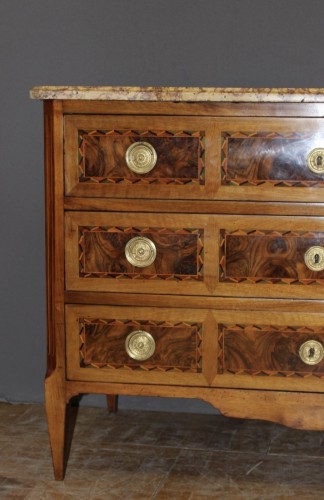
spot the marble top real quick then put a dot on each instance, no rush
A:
(178, 94)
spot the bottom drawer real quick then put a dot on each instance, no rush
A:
(195, 347)
(135, 344)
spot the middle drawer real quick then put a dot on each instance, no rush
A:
(242, 256)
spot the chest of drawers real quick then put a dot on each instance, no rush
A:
(185, 249)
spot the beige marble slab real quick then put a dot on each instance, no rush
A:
(178, 94)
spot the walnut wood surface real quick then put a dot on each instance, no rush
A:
(103, 253)
(205, 302)
(103, 345)
(55, 381)
(260, 157)
(267, 350)
(96, 335)
(95, 148)
(243, 159)
(193, 108)
(99, 263)
(210, 352)
(179, 156)
(214, 277)
(294, 409)
(195, 206)
(271, 256)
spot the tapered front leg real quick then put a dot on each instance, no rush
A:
(56, 411)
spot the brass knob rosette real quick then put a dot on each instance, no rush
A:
(314, 258)
(315, 161)
(311, 352)
(140, 251)
(140, 345)
(141, 157)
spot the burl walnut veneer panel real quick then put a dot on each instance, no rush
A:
(267, 350)
(256, 158)
(178, 253)
(97, 340)
(268, 159)
(177, 346)
(180, 156)
(272, 256)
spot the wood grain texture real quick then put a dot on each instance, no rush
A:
(196, 206)
(95, 149)
(266, 159)
(277, 159)
(204, 302)
(180, 156)
(179, 253)
(267, 350)
(55, 388)
(180, 250)
(216, 109)
(272, 256)
(214, 279)
(95, 337)
(294, 409)
(177, 346)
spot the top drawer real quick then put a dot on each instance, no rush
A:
(194, 158)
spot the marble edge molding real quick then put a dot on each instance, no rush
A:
(179, 94)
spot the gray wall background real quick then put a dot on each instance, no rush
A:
(244, 43)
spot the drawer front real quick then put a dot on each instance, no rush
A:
(251, 349)
(137, 253)
(272, 159)
(271, 350)
(135, 344)
(135, 157)
(243, 256)
(194, 158)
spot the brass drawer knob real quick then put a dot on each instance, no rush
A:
(140, 345)
(311, 352)
(314, 258)
(315, 161)
(140, 251)
(141, 157)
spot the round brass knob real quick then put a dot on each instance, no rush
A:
(141, 157)
(311, 352)
(315, 161)
(314, 258)
(140, 345)
(140, 251)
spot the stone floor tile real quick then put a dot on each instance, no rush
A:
(165, 494)
(297, 442)
(254, 436)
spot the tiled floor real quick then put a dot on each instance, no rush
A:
(151, 455)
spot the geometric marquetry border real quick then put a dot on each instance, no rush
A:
(138, 325)
(141, 135)
(143, 232)
(258, 280)
(226, 180)
(260, 329)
